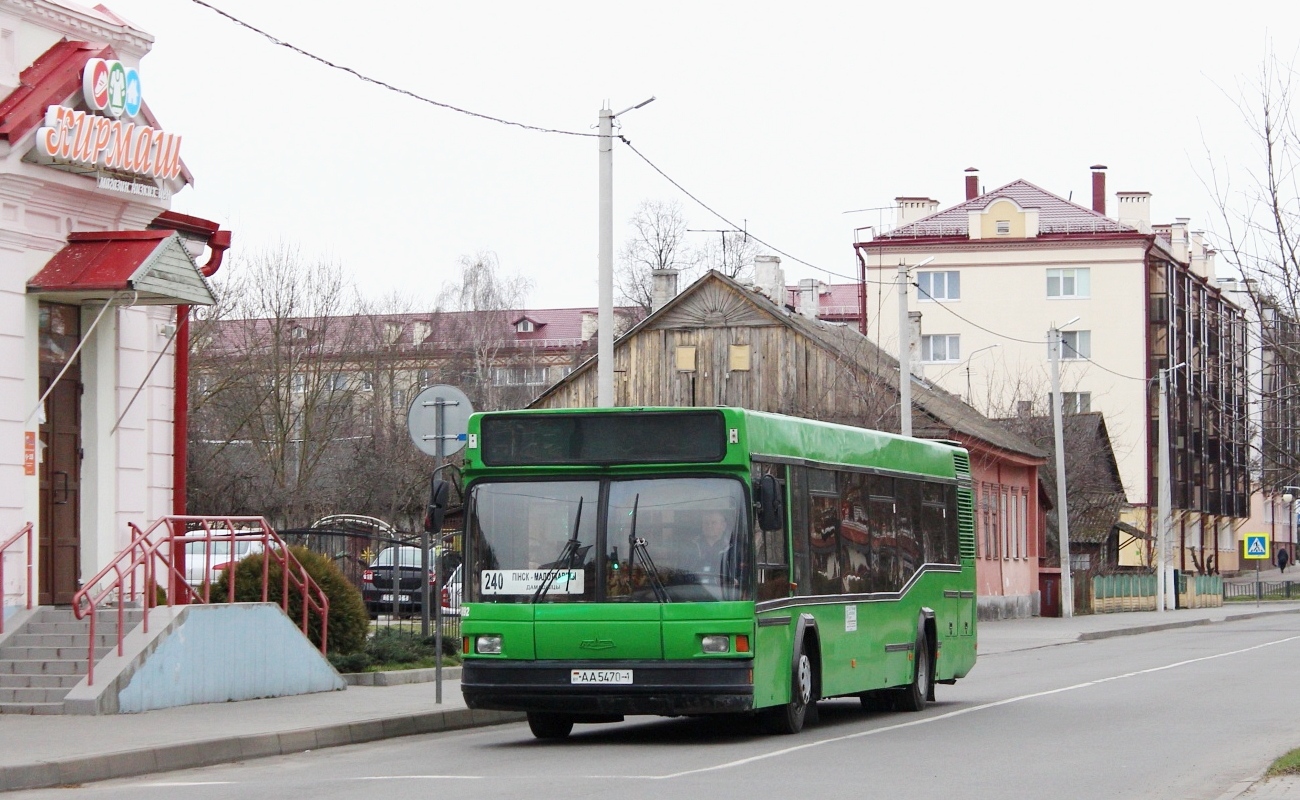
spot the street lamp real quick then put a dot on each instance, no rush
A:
(605, 310)
(968, 358)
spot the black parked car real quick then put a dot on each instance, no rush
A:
(377, 580)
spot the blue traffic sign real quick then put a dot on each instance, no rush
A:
(1257, 546)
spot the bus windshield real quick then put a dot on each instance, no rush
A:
(645, 540)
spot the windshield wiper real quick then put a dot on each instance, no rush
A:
(566, 557)
(638, 547)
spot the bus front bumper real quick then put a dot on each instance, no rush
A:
(664, 688)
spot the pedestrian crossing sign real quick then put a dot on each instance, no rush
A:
(1257, 546)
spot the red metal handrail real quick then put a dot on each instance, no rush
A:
(134, 574)
(25, 530)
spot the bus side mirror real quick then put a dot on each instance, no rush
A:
(438, 493)
(771, 508)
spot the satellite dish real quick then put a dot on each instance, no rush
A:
(422, 420)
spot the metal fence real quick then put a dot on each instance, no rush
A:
(1261, 590)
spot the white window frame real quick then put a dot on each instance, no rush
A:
(1076, 402)
(1071, 283)
(1076, 345)
(951, 342)
(938, 285)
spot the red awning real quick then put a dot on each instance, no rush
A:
(153, 265)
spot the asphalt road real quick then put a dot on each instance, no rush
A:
(1185, 713)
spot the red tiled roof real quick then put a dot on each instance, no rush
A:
(1055, 215)
(99, 264)
(555, 328)
(52, 79)
(834, 300)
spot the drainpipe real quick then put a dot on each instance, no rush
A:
(219, 243)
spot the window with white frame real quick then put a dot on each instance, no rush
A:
(941, 347)
(1004, 227)
(518, 376)
(1069, 282)
(524, 326)
(299, 382)
(1076, 344)
(367, 381)
(338, 382)
(426, 378)
(1076, 402)
(939, 285)
(1024, 523)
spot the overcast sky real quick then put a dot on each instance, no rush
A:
(782, 117)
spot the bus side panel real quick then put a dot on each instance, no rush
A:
(772, 657)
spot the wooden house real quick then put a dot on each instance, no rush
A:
(721, 343)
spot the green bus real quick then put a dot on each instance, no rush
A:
(688, 561)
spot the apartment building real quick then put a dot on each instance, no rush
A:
(986, 280)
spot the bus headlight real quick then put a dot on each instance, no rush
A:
(715, 644)
(489, 645)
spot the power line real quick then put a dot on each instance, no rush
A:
(382, 84)
(710, 209)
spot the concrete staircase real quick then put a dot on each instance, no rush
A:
(41, 662)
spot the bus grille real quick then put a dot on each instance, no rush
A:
(961, 462)
(966, 522)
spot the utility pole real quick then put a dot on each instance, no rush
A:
(1062, 498)
(605, 311)
(1164, 498)
(905, 351)
(904, 356)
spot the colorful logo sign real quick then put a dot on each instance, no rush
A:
(111, 141)
(112, 87)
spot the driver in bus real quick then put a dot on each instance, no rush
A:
(714, 548)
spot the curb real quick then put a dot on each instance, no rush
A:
(224, 750)
(1187, 623)
(400, 677)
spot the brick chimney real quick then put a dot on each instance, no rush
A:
(1099, 188)
(972, 183)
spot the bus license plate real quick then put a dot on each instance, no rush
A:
(619, 676)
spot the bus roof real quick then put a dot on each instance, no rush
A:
(758, 434)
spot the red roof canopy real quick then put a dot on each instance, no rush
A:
(97, 265)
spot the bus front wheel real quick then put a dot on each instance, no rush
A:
(789, 718)
(549, 726)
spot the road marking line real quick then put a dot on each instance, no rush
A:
(950, 714)
(182, 784)
(417, 778)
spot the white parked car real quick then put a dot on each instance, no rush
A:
(205, 561)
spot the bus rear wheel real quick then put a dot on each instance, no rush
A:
(545, 725)
(913, 696)
(789, 718)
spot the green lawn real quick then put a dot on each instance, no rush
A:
(1288, 764)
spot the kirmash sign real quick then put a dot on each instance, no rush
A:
(111, 140)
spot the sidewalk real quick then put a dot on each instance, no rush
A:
(97, 748)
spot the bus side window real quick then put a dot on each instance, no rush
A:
(801, 571)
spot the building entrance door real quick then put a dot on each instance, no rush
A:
(60, 434)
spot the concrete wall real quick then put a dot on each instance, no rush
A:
(206, 654)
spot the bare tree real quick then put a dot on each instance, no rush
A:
(657, 242)
(269, 406)
(731, 253)
(1258, 236)
(478, 338)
